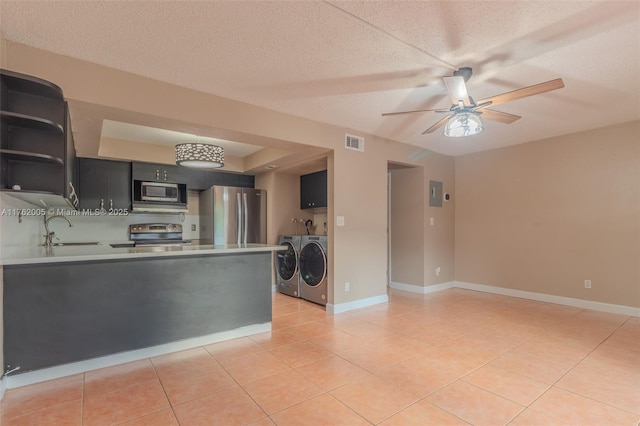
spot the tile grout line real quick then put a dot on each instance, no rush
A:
(171, 407)
(461, 378)
(575, 365)
(82, 391)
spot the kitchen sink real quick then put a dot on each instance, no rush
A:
(87, 243)
(120, 245)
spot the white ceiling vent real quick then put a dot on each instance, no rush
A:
(354, 142)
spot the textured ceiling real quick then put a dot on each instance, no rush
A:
(346, 63)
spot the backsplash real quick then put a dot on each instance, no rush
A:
(320, 223)
(12, 231)
(85, 227)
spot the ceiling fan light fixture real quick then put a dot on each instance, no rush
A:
(199, 155)
(463, 124)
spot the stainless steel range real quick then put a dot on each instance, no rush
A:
(157, 234)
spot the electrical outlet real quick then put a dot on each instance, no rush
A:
(346, 286)
(340, 220)
(587, 283)
(438, 271)
(193, 227)
(432, 221)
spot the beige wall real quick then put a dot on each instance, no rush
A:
(3, 51)
(282, 204)
(360, 196)
(545, 216)
(439, 237)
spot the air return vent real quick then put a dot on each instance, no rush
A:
(354, 142)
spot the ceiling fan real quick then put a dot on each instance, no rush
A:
(463, 118)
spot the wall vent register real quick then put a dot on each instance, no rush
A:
(355, 143)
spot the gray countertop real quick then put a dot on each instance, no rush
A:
(23, 255)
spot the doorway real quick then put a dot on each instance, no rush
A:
(405, 225)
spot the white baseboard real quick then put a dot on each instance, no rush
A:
(356, 304)
(136, 355)
(422, 289)
(561, 300)
(541, 297)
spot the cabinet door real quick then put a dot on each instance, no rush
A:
(92, 183)
(229, 179)
(234, 179)
(118, 185)
(197, 180)
(176, 174)
(313, 190)
(147, 171)
(214, 179)
(104, 183)
(160, 173)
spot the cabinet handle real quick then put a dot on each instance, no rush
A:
(157, 174)
(111, 204)
(165, 174)
(101, 203)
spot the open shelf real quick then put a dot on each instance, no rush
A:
(32, 85)
(37, 153)
(30, 156)
(29, 122)
(43, 199)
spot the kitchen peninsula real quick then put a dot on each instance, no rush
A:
(71, 304)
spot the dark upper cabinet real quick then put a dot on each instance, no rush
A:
(196, 179)
(37, 153)
(151, 172)
(104, 184)
(313, 190)
(229, 179)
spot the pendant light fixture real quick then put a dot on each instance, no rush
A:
(463, 124)
(199, 155)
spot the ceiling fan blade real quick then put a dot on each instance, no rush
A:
(524, 92)
(502, 117)
(415, 110)
(440, 123)
(457, 90)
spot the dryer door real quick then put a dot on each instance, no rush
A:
(286, 261)
(313, 264)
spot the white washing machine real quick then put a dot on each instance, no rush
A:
(313, 269)
(287, 265)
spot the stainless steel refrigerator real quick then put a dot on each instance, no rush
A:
(231, 215)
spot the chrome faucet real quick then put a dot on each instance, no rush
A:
(48, 237)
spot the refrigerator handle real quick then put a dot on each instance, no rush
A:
(245, 212)
(239, 221)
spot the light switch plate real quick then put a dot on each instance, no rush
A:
(340, 220)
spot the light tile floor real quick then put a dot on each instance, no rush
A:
(452, 357)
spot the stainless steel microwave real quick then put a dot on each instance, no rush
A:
(159, 192)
